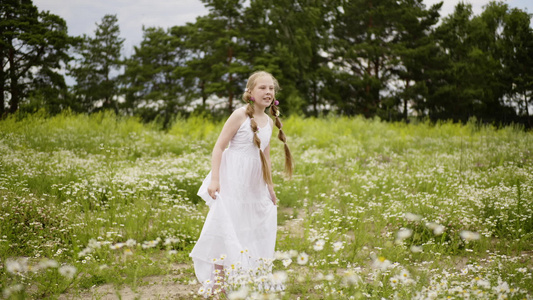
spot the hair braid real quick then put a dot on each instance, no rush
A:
(257, 142)
(274, 110)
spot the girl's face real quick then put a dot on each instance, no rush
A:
(264, 91)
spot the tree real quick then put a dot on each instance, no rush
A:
(517, 57)
(98, 63)
(415, 49)
(296, 32)
(453, 93)
(203, 50)
(365, 33)
(32, 46)
(155, 74)
(472, 79)
(218, 45)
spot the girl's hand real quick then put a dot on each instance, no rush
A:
(214, 187)
(272, 195)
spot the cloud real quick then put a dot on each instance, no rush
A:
(477, 5)
(81, 16)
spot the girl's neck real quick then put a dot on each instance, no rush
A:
(259, 113)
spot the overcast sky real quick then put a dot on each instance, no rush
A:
(81, 15)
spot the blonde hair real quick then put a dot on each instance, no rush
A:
(274, 111)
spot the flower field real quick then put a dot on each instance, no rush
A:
(374, 211)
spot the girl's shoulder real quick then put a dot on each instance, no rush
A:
(239, 113)
(237, 117)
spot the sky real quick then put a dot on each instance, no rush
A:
(82, 15)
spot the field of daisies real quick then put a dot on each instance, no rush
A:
(375, 210)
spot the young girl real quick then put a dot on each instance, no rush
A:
(240, 228)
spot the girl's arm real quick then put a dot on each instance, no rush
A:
(228, 131)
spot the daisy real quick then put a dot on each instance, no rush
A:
(337, 246)
(319, 245)
(14, 266)
(416, 249)
(201, 291)
(303, 258)
(67, 271)
(404, 233)
(469, 235)
(279, 276)
(287, 262)
(412, 217)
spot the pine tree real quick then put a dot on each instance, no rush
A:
(155, 74)
(415, 54)
(517, 58)
(98, 63)
(218, 46)
(365, 33)
(32, 46)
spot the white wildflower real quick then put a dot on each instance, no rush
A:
(402, 234)
(469, 235)
(94, 244)
(67, 271)
(404, 275)
(131, 243)
(381, 263)
(12, 289)
(16, 266)
(337, 246)
(412, 217)
(116, 246)
(394, 280)
(201, 291)
(437, 228)
(279, 277)
(287, 262)
(319, 245)
(303, 258)
(351, 278)
(280, 255)
(48, 263)
(240, 294)
(483, 283)
(416, 249)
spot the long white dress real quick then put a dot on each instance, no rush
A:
(241, 224)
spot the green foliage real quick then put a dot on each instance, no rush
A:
(33, 45)
(155, 75)
(96, 59)
(116, 199)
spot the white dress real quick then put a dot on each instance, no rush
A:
(241, 224)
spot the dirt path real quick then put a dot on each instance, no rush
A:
(170, 286)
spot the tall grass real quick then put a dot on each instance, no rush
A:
(110, 195)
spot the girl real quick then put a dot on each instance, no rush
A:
(240, 228)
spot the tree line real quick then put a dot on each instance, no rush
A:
(392, 59)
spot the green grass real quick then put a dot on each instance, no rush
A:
(116, 199)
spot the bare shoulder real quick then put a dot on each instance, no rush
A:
(235, 120)
(237, 117)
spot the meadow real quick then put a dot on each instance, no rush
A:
(375, 210)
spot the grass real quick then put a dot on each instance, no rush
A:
(380, 210)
